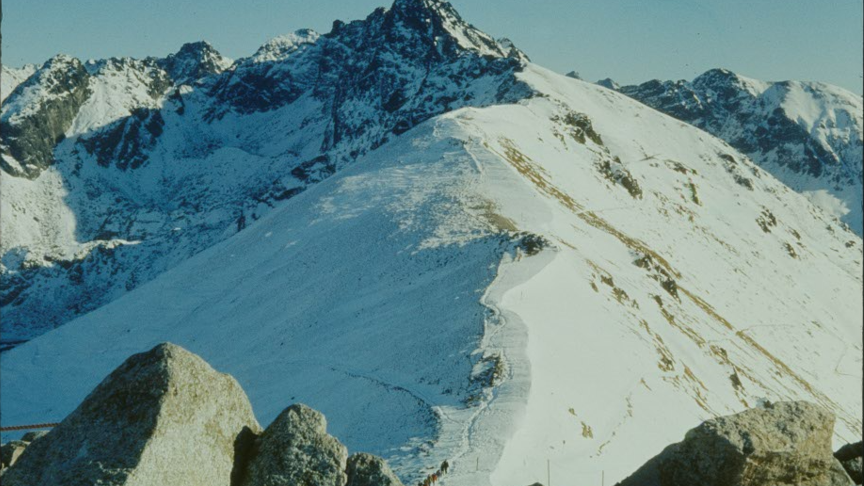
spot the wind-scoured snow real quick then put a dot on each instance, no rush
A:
(572, 278)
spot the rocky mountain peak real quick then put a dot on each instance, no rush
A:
(279, 48)
(60, 60)
(35, 117)
(717, 74)
(728, 86)
(512, 51)
(194, 61)
(55, 73)
(438, 22)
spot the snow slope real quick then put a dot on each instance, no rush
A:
(574, 278)
(11, 77)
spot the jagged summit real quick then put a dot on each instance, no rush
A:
(439, 22)
(727, 87)
(401, 62)
(37, 113)
(194, 61)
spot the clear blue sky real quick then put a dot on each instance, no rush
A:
(628, 40)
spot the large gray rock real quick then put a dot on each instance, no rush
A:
(368, 470)
(850, 456)
(296, 450)
(788, 443)
(164, 417)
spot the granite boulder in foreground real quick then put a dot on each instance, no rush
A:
(368, 470)
(163, 417)
(296, 450)
(788, 443)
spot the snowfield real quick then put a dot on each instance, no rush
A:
(574, 278)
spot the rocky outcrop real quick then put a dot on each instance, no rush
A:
(36, 116)
(194, 61)
(850, 456)
(368, 470)
(788, 443)
(163, 417)
(609, 83)
(11, 451)
(31, 436)
(296, 449)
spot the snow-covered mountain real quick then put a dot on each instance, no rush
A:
(808, 135)
(450, 251)
(160, 158)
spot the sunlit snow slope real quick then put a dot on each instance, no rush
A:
(575, 278)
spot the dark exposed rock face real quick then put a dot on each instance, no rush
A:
(376, 77)
(786, 444)
(194, 61)
(850, 456)
(368, 470)
(11, 451)
(38, 113)
(296, 449)
(609, 83)
(162, 417)
(31, 436)
(126, 143)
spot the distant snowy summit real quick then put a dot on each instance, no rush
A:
(807, 134)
